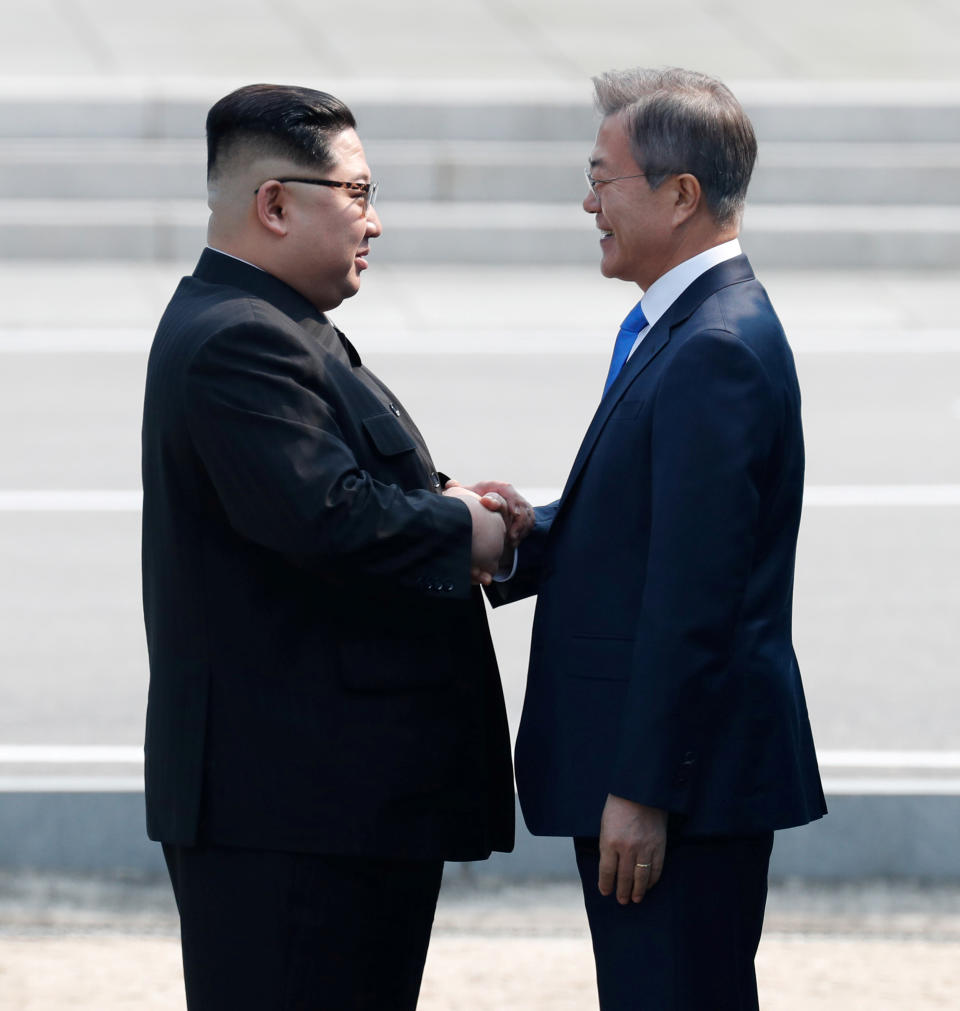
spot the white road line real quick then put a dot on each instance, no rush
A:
(836, 495)
(882, 495)
(71, 784)
(373, 338)
(30, 756)
(38, 501)
(827, 495)
(89, 341)
(893, 787)
(71, 754)
(945, 760)
(132, 754)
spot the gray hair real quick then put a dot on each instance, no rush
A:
(681, 121)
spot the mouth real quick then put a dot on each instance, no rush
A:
(605, 233)
(361, 258)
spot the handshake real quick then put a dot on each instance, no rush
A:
(501, 519)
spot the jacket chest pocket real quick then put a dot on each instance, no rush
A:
(388, 436)
(398, 457)
(628, 410)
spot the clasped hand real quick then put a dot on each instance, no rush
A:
(501, 517)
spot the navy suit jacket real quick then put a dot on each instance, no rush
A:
(662, 668)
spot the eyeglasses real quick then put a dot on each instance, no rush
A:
(363, 191)
(594, 183)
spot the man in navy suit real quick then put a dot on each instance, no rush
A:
(664, 726)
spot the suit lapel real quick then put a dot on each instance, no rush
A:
(650, 347)
(724, 274)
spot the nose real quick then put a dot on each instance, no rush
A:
(374, 227)
(590, 202)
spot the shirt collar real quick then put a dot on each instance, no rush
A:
(667, 288)
(232, 257)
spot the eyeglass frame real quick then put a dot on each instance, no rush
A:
(592, 183)
(368, 191)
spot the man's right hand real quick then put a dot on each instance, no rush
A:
(502, 497)
(489, 534)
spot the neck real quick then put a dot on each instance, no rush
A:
(692, 244)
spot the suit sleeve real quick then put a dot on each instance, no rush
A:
(287, 479)
(715, 424)
(530, 554)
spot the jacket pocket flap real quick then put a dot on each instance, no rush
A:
(388, 435)
(627, 410)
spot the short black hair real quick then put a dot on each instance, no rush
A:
(297, 123)
(682, 121)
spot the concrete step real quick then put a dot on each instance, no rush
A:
(781, 111)
(470, 170)
(777, 235)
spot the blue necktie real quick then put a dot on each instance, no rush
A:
(627, 337)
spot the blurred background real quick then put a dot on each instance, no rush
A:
(484, 310)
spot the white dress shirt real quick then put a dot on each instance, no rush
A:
(658, 298)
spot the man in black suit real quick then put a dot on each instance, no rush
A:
(325, 722)
(664, 725)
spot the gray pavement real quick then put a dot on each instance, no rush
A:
(501, 365)
(507, 390)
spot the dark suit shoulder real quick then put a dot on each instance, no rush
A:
(743, 308)
(743, 312)
(713, 349)
(200, 310)
(215, 323)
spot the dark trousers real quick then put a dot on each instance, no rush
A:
(690, 944)
(271, 931)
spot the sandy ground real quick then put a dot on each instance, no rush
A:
(110, 973)
(876, 947)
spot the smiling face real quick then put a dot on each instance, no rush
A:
(328, 236)
(638, 239)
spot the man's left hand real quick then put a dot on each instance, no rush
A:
(633, 840)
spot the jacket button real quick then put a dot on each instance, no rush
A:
(393, 407)
(449, 587)
(435, 479)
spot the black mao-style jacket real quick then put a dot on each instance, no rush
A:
(321, 673)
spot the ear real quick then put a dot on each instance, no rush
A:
(271, 208)
(689, 197)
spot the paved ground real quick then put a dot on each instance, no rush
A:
(501, 369)
(106, 947)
